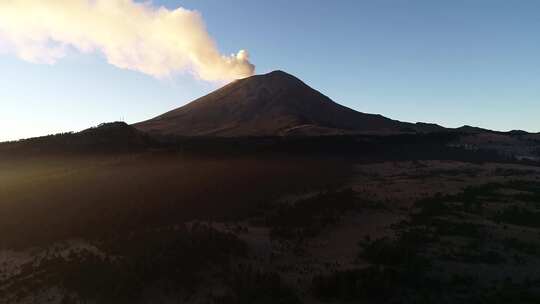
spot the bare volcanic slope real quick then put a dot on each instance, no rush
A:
(265, 105)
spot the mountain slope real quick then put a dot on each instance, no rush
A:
(272, 104)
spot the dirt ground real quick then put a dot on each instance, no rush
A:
(472, 223)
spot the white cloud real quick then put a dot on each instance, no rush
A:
(135, 36)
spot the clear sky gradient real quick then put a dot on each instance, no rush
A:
(449, 62)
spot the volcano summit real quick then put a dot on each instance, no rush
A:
(274, 104)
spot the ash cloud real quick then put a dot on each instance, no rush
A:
(131, 35)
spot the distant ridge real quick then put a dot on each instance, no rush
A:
(105, 138)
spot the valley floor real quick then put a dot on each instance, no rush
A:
(385, 232)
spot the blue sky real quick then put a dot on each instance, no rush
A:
(449, 62)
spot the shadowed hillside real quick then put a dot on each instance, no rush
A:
(112, 137)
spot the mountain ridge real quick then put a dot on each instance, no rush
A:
(271, 104)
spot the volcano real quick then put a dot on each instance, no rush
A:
(273, 104)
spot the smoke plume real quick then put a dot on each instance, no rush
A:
(135, 36)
